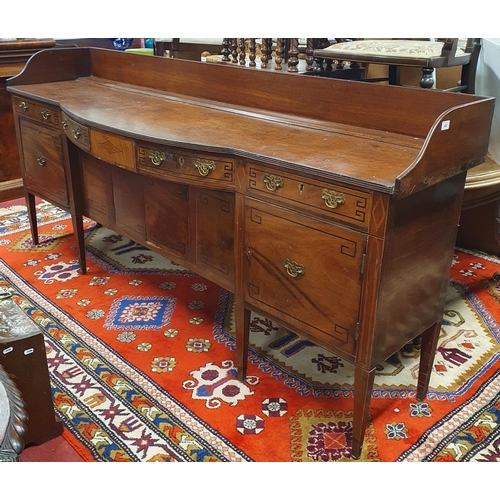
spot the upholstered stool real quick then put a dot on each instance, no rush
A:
(428, 55)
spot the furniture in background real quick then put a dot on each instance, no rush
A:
(13, 418)
(13, 56)
(22, 356)
(351, 216)
(103, 43)
(480, 219)
(186, 48)
(426, 54)
(281, 54)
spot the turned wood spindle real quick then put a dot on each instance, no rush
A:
(251, 54)
(234, 50)
(293, 60)
(263, 53)
(279, 53)
(241, 47)
(225, 49)
(309, 55)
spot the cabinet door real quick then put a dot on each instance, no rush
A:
(214, 230)
(98, 201)
(43, 157)
(304, 271)
(128, 199)
(167, 214)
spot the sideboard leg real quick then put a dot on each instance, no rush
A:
(80, 241)
(31, 206)
(427, 351)
(242, 324)
(363, 384)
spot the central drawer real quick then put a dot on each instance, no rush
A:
(304, 271)
(167, 162)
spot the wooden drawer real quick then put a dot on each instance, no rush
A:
(43, 157)
(335, 201)
(76, 133)
(112, 148)
(163, 161)
(42, 113)
(304, 271)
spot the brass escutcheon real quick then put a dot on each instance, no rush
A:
(273, 182)
(77, 132)
(332, 198)
(23, 106)
(293, 269)
(65, 123)
(157, 157)
(45, 113)
(204, 166)
(42, 161)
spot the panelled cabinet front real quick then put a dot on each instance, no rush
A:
(305, 271)
(43, 151)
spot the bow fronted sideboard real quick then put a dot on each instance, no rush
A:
(328, 206)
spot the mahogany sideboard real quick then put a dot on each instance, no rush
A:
(328, 206)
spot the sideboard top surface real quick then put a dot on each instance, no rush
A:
(393, 140)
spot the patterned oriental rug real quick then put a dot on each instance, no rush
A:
(141, 357)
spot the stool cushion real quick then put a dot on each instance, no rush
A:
(402, 52)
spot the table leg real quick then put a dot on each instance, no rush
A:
(31, 206)
(80, 241)
(242, 324)
(363, 384)
(427, 351)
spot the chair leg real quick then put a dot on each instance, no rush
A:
(394, 75)
(427, 81)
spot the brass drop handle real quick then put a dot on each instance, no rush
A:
(273, 182)
(204, 166)
(23, 106)
(157, 157)
(77, 132)
(42, 161)
(45, 113)
(332, 198)
(293, 269)
(65, 123)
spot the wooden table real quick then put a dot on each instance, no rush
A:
(328, 206)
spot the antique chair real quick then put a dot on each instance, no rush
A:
(427, 54)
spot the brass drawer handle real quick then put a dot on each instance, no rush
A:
(42, 161)
(23, 106)
(273, 182)
(45, 114)
(157, 157)
(332, 198)
(204, 166)
(77, 132)
(293, 269)
(65, 123)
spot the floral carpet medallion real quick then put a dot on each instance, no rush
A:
(141, 357)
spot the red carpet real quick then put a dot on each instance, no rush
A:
(141, 356)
